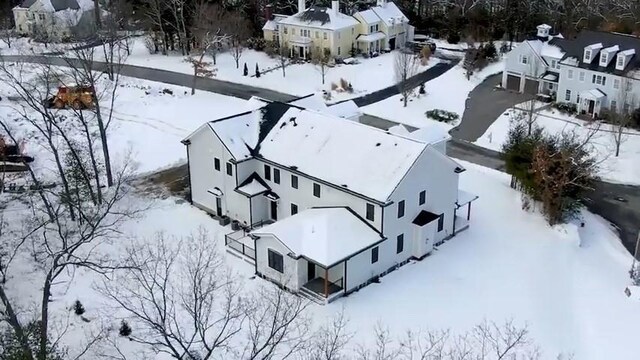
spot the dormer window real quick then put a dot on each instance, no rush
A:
(603, 59)
(620, 61)
(587, 56)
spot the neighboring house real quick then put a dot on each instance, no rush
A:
(326, 205)
(597, 71)
(315, 29)
(55, 19)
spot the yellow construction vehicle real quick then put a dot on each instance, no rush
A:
(77, 97)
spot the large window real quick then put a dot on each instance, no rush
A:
(267, 172)
(294, 181)
(316, 190)
(570, 74)
(216, 164)
(616, 83)
(599, 79)
(370, 212)
(400, 209)
(567, 95)
(441, 223)
(229, 169)
(276, 261)
(614, 105)
(374, 255)
(400, 243)
(581, 75)
(276, 176)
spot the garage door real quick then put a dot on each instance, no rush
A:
(513, 82)
(531, 86)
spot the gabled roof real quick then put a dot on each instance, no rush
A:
(369, 16)
(59, 5)
(390, 13)
(324, 235)
(253, 185)
(321, 17)
(574, 48)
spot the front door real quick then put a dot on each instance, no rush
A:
(392, 44)
(218, 206)
(274, 211)
(311, 271)
(301, 52)
(592, 104)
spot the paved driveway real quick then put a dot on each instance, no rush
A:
(484, 105)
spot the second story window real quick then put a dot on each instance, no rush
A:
(423, 197)
(276, 176)
(267, 172)
(229, 169)
(370, 214)
(286, 30)
(294, 181)
(216, 164)
(400, 209)
(316, 190)
(324, 35)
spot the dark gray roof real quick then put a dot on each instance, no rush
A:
(316, 13)
(27, 3)
(65, 4)
(574, 47)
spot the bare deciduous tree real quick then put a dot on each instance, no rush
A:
(405, 66)
(330, 341)
(620, 114)
(283, 58)
(321, 60)
(201, 68)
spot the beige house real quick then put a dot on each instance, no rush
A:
(55, 19)
(383, 27)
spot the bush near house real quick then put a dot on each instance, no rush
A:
(442, 115)
(566, 108)
(257, 43)
(453, 38)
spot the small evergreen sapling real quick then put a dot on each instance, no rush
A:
(125, 329)
(245, 72)
(257, 71)
(422, 91)
(78, 308)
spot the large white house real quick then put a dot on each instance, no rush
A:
(55, 19)
(315, 29)
(597, 71)
(326, 204)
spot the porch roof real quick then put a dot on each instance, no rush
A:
(550, 76)
(326, 236)
(371, 37)
(252, 186)
(301, 40)
(592, 94)
(465, 197)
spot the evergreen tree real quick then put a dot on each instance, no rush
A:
(257, 71)
(245, 72)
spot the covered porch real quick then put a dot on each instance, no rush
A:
(590, 102)
(461, 223)
(370, 43)
(300, 47)
(321, 283)
(549, 84)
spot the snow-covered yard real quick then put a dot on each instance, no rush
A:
(27, 46)
(447, 92)
(567, 283)
(622, 169)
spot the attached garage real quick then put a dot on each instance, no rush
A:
(531, 86)
(513, 82)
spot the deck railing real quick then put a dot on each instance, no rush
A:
(233, 241)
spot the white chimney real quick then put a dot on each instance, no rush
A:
(301, 6)
(335, 6)
(543, 30)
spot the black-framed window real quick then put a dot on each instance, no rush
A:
(316, 190)
(374, 255)
(294, 209)
(216, 164)
(423, 197)
(400, 209)
(441, 223)
(370, 212)
(267, 172)
(229, 169)
(276, 176)
(294, 181)
(399, 243)
(276, 261)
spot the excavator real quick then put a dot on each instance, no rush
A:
(77, 97)
(12, 158)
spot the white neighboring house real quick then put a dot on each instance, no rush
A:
(324, 205)
(597, 71)
(315, 29)
(56, 19)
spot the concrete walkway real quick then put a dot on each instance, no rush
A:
(484, 105)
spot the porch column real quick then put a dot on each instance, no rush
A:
(455, 210)
(326, 282)
(469, 212)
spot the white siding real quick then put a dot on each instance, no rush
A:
(534, 67)
(291, 274)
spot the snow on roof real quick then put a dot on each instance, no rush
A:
(311, 101)
(237, 132)
(324, 235)
(628, 52)
(369, 16)
(390, 13)
(346, 109)
(465, 197)
(593, 94)
(399, 130)
(321, 17)
(254, 187)
(551, 77)
(544, 26)
(553, 51)
(371, 37)
(255, 103)
(270, 25)
(359, 158)
(429, 134)
(595, 46)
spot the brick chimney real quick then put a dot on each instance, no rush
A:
(268, 13)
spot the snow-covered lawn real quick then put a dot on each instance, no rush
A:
(447, 92)
(300, 79)
(567, 283)
(148, 122)
(27, 46)
(622, 169)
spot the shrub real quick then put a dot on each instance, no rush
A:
(334, 86)
(442, 115)
(453, 38)
(344, 84)
(245, 71)
(566, 108)
(271, 48)
(150, 44)
(125, 329)
(256, 43)
(78, 308)
(489, 51)
(422, 91)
